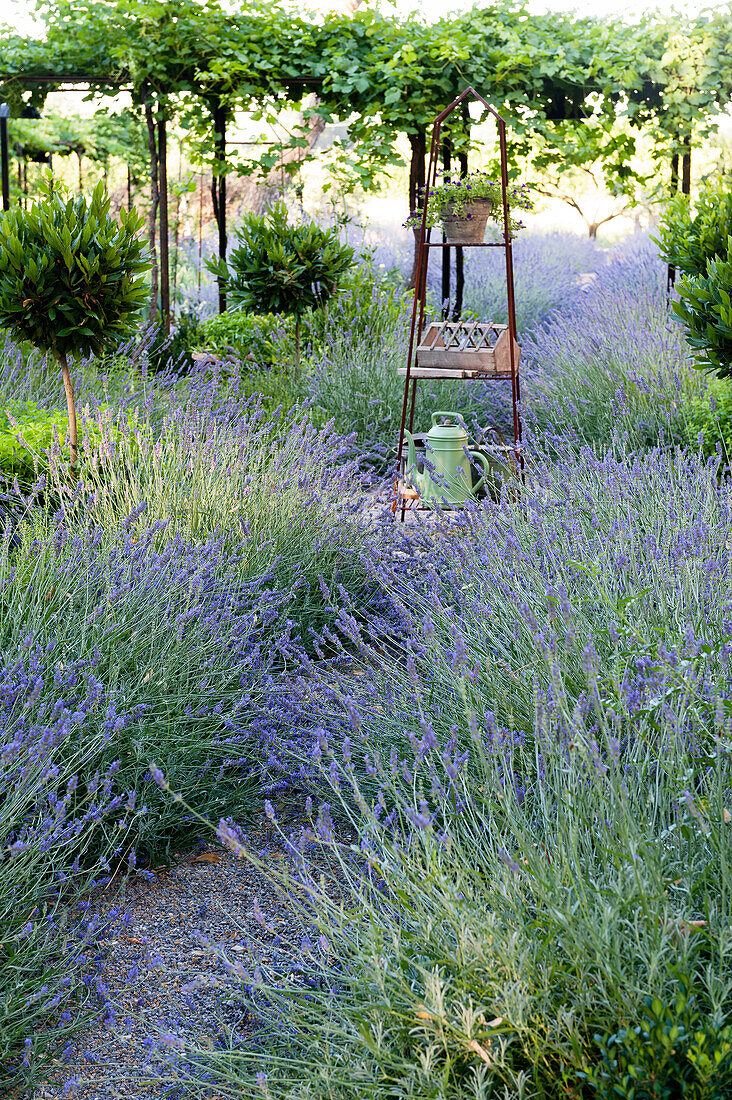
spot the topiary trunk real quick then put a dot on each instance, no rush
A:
(71, 405)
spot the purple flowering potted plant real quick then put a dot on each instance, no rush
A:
(463, 207)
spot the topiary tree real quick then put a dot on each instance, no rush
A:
(688, 238)
(281, 268)
(699, 243)
(705, 310)
(71, 279)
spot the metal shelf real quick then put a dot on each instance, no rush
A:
(474, 350)
(450, 244)
(437, 373)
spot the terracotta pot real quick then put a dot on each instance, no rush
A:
(469, 227)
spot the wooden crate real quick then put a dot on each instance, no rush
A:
(464, 349)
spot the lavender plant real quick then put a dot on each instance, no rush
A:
(615, 360)
(176, 655)
(547, 270)
(536, 763)
(182, 640)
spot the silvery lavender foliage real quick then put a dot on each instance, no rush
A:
(615, 361)
(547, 270)
(165, 629)
(59, 801)
(537, 765)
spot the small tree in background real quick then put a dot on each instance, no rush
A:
(71, 279)
(281, 268)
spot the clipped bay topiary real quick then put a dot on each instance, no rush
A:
(71, 278)
(281, 268)
(705, 309)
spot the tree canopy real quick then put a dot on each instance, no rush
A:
(382, 75)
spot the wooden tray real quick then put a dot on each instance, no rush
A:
(464, 349)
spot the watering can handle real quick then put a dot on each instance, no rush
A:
(452, 416)
(487, 468)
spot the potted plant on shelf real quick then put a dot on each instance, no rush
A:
(465, 205)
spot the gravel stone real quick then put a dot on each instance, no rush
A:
(163, 974)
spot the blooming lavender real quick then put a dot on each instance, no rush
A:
(544, 797)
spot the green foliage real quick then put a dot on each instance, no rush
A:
(257, 339)
(709, 419)
(705, 310)
(27, 433)
(35, 426)
(676, 1051)
(71, 278)
(690, 239)
(281, 268)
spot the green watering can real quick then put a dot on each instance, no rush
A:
(450, 481)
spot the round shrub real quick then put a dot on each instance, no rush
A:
(705, 310)
(27, 433)
(255, 338)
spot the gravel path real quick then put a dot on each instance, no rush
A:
(161, 976)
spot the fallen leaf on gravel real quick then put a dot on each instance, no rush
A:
(208, 857)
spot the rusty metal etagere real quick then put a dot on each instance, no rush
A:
(450, 349)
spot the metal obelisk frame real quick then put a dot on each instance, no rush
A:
(506, 366)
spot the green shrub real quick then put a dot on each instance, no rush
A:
(676, 1051)
(698, 245)
(35, 426)
(709, 419)
(705, 310)
(262, 340)
(688, 240)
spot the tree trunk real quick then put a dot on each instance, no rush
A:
(218, 187)
(71, 406)
(686, 168)
(80, 158)
(416, 192)
(154, 201)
